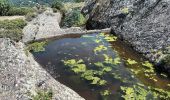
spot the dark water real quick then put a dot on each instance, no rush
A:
(82, 47)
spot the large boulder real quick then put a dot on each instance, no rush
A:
(144, 24)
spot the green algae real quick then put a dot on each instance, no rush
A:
(131, 62)
(100, 48)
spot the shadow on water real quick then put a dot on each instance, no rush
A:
(82, 47)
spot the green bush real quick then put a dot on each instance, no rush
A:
(12, 29)
(19, 11)
(57, 4)
(30, 16)
(74, 18)
(4, 7)
(13, 34)
(79, 1)
(12, 24)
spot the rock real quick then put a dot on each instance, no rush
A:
(144, 24)
(45, 25)
(21, 75)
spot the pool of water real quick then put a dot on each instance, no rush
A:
(101, 67)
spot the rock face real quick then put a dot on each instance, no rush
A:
(20, 75)
(46, 24)
(145, 24)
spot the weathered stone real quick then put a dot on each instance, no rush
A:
(21, 75)
(144, 24)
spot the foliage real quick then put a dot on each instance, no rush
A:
(14, 34)
(57, 4)
(19, 11)
(43, 95)
(74, 18)
(4, 7)
(30, 16)
(36, 46)
(12, 29)
(13, 24)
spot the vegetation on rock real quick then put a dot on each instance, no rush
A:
(74, 18)
(43, 95)
(12, 29)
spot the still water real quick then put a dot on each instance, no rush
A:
(101, 67)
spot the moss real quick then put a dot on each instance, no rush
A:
(43, 95)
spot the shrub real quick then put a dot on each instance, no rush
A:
(30, 16)
(57, 4)
(13, 24)
(12, 29)
(4, 7)
(74, 18)
(13, 34)
(79, 1)
(19, 11)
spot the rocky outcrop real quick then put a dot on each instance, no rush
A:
(47, 26)
(144, 24)
(20, 75)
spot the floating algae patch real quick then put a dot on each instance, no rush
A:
(101, 67)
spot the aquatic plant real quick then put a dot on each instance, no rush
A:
(110, 38)
(36, 46)
(112, 61)
(76, 66)
(97, 41)
(140, 92)
(100, 48)
(147, 64)
(93, 76)
(105, 93)
(131, 62)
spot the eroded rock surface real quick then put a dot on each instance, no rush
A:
(21, 76)
(144, 24)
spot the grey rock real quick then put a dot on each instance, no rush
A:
(144, 24)
(21, 75)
